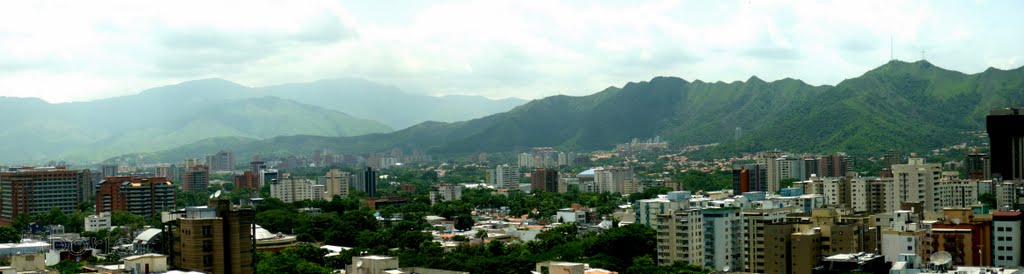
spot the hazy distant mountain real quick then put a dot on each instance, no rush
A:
(175, 115)
(908, 106)
(158, 119)
(249, 118)
(387, 104)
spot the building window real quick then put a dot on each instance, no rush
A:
(208, 260)
(207, 245)
(207, 231)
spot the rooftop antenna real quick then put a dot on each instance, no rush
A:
(891, 58)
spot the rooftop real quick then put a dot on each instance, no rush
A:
(852, 257)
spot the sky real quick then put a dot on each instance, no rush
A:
(64, 51)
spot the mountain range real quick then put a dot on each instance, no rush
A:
(908, 106)
(167, 117)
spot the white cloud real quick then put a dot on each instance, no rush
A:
(79, 50)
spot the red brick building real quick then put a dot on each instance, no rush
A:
(37, 190)
(247, 180)
(141, 196)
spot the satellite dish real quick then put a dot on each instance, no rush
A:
(359, 264)
(941, 258)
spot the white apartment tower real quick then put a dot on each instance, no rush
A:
(913, 182)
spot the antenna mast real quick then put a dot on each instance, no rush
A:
(891, 58)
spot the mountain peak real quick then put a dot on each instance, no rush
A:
(220, 82)
(904, 67)
(753, 79)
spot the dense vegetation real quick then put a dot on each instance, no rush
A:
(629, 248)
(908, 106)
(345, 222)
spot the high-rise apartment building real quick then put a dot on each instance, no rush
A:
(835, 165)
(268, 176)
(1006, 141)
(336, 183)
(164, 171)
(108, 170)
(447, 192)
(811, 166)
(196, 178)
(247, 180)
(295, 189)
(39, 190)
(544, 179)
(978, 165)
(749, 177)
(615, 180)
(223, 160)
(647, 210)
(755, 251)
(913, 183)
(953, 193)
(140, 196)
(869, 194)
(723, 238)
(256, 166)
(767, 160)
(824, 232)
(370, 182)
(525, 160)
(778, 242)
(504, 176)
(1007, 246)
(214, 239)
(680, 237)
(789, 167)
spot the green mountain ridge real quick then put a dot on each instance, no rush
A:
(908, 106)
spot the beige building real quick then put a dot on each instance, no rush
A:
(777, 243)
(824, 232)
(767, 159)
(146, 263)
(868, 194)
(755, 249)
(295, 189)
(214, 239)
(680, 237)
(805, 250)
(913, 183)
(335, 183)
(568, 268)
(615, 180)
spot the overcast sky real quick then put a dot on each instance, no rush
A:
(83, 50)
